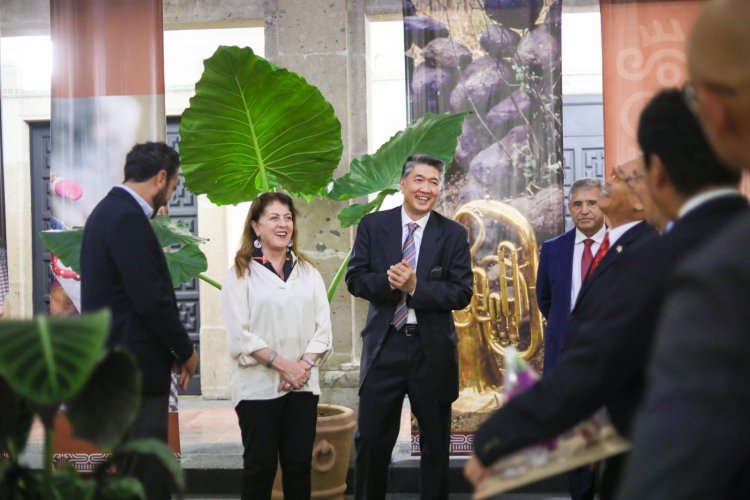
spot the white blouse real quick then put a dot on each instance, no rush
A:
(290, 317)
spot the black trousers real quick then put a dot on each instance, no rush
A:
(274, 431)
(151, 422)
(400, 370)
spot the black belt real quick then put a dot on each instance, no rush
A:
(408, 330)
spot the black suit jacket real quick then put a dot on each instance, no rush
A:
(612, 331)
(444, 284)
(692, 435)
(123, 268)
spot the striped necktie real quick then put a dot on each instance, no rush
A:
(409, 254)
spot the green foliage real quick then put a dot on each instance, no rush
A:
(47, 362)
(185, 259)
(253, 127)
(436, 135)
(66, 244)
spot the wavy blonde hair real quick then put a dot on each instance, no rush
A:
(244, 255)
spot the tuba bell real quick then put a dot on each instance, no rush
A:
(503, 311)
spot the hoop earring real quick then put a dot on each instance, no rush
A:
(257, 243)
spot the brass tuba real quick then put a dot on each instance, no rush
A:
(503, 310)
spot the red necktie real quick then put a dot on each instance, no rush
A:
(586, 258)
(600, 254)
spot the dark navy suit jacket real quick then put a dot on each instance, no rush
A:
(610, 336)
(444, 284)
(123, 268)
(553, 284)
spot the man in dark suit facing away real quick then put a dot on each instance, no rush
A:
(692, 438)
(604, 362)
(413, 266)
(123, 268)
(564, 262)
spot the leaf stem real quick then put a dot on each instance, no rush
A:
(342, 269)
(46, 343)
(339, 274)
(208, 280)
(49, 439)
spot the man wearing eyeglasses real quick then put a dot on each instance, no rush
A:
(604, 361)
(526, 419)
(692, 437)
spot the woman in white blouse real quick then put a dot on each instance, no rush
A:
(279, 330)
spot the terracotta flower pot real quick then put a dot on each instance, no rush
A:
(330, 456)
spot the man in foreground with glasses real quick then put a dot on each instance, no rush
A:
(692, 437)
(605, 359)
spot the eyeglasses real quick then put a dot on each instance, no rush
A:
(630, 180)
(690, 92)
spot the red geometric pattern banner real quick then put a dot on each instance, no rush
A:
(643, 51)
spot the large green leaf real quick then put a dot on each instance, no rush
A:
(170, 232)
(158, 450)
(66, 244)
(184, 264)
(48, 360)
(252, 127)
(107, 405)
(435, 135)
(352, 214)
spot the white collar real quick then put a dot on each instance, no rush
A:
(597, 236)
(704, 197)
(616, 232)
(147, 209)
(405, 219)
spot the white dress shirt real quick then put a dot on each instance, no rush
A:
(575, 282)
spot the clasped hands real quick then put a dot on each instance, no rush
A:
(402, 277)
(294, 374)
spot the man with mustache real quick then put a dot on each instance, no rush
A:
(563, 265)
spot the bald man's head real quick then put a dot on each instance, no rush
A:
(718, 54)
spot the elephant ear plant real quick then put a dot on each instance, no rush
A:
(46, 363)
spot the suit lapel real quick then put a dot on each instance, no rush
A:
(392, 235)
(428, 247)
(612, 255)
(566, 262)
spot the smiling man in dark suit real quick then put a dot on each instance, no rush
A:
(413, 266)
(605, 361)
(123, 268)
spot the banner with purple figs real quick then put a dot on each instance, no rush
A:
(499, 60)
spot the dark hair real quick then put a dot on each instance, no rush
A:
(668, 129)
(419, 158)
(146, 160)
(245, 254)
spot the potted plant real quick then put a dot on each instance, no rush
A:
(49, 362)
